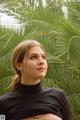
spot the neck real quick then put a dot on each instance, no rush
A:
(29, 89)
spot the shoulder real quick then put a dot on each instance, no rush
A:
(6, 96)
(61, 96)
(54, 91)
(57, 90)
(3, 103)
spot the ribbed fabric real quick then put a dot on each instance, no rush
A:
(31, 100)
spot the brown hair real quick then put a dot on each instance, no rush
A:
(18, 55)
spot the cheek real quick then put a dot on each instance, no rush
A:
(46, 65)
(30, 65)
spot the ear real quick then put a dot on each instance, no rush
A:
(18, 65)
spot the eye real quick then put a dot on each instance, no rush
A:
(44, 57)
(33, 57)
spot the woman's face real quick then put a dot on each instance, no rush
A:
(34, 65)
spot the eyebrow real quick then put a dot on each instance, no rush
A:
(37, 54)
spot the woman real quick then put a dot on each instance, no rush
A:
(28, 99)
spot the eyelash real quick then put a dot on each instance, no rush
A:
(35, 57)
(44, 57)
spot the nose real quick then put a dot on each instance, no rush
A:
(41, 61)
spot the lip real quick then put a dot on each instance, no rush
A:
(41, 68)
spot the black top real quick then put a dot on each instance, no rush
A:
(31, 100)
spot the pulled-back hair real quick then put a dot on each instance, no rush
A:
(18, 55)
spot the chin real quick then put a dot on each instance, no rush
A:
(41, 76)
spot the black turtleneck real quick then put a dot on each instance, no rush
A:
(31, 100)
(29, 89)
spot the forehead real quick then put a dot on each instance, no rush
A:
(36, 50)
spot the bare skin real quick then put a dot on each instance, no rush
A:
(44, 117)
(33, 67)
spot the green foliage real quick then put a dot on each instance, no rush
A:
(8, 40)
(60, 35)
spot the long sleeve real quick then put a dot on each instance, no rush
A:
(66, 112)
(29, 101)
(2, 108)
